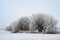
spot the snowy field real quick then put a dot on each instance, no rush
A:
(6, 35)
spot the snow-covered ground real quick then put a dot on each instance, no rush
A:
(6, 35)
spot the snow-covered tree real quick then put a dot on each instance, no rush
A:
(24, 23)
(51, 23)
(45, 23)
(41, 22)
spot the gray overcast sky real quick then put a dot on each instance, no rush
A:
(11, 10)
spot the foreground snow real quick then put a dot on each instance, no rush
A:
(6, 35)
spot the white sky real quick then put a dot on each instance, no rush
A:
(11, 10)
